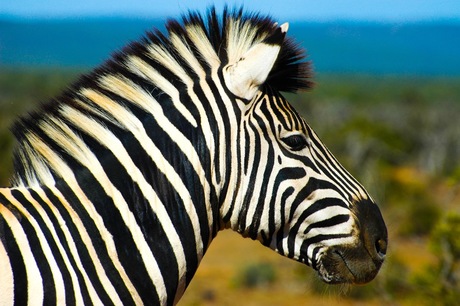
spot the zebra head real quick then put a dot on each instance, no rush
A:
(292, 194)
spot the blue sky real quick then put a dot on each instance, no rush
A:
(372, 10)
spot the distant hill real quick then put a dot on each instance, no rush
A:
(334, 47)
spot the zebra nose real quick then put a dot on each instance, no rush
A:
(381, 247)
(373, 231)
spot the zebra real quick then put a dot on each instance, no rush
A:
(122, 181)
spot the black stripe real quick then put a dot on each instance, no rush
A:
(314, 262)
(319, 238)
(49, 293)
(335, 220)
(246, 149)
(15, 256)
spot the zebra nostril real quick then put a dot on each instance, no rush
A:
(381, 247)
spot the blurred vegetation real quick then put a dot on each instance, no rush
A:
(440, 282)
(399, 136)
(22, 91)
(251, 275)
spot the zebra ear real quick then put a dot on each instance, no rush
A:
(244, 77)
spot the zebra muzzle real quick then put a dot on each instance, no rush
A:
(358, 263)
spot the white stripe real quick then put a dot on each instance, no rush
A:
(35, 170)
(256, 185)
(6, 274)
(240, 38)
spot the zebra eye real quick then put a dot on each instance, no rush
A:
(295, 142)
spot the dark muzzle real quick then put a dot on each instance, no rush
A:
(358, 263)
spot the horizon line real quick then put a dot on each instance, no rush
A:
(307, 19)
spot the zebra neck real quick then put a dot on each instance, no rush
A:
(147, 206)
(139, 244)
(151, 181)
(141, 200)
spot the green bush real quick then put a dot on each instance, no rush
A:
(256, 275)
(407, 193)
(420, 217)
(440, 283)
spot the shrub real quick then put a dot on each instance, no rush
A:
(440, 283)
(256, 275)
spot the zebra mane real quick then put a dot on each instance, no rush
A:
(209, 41)
(230, 36)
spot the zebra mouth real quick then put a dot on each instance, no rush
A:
(347, 264)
